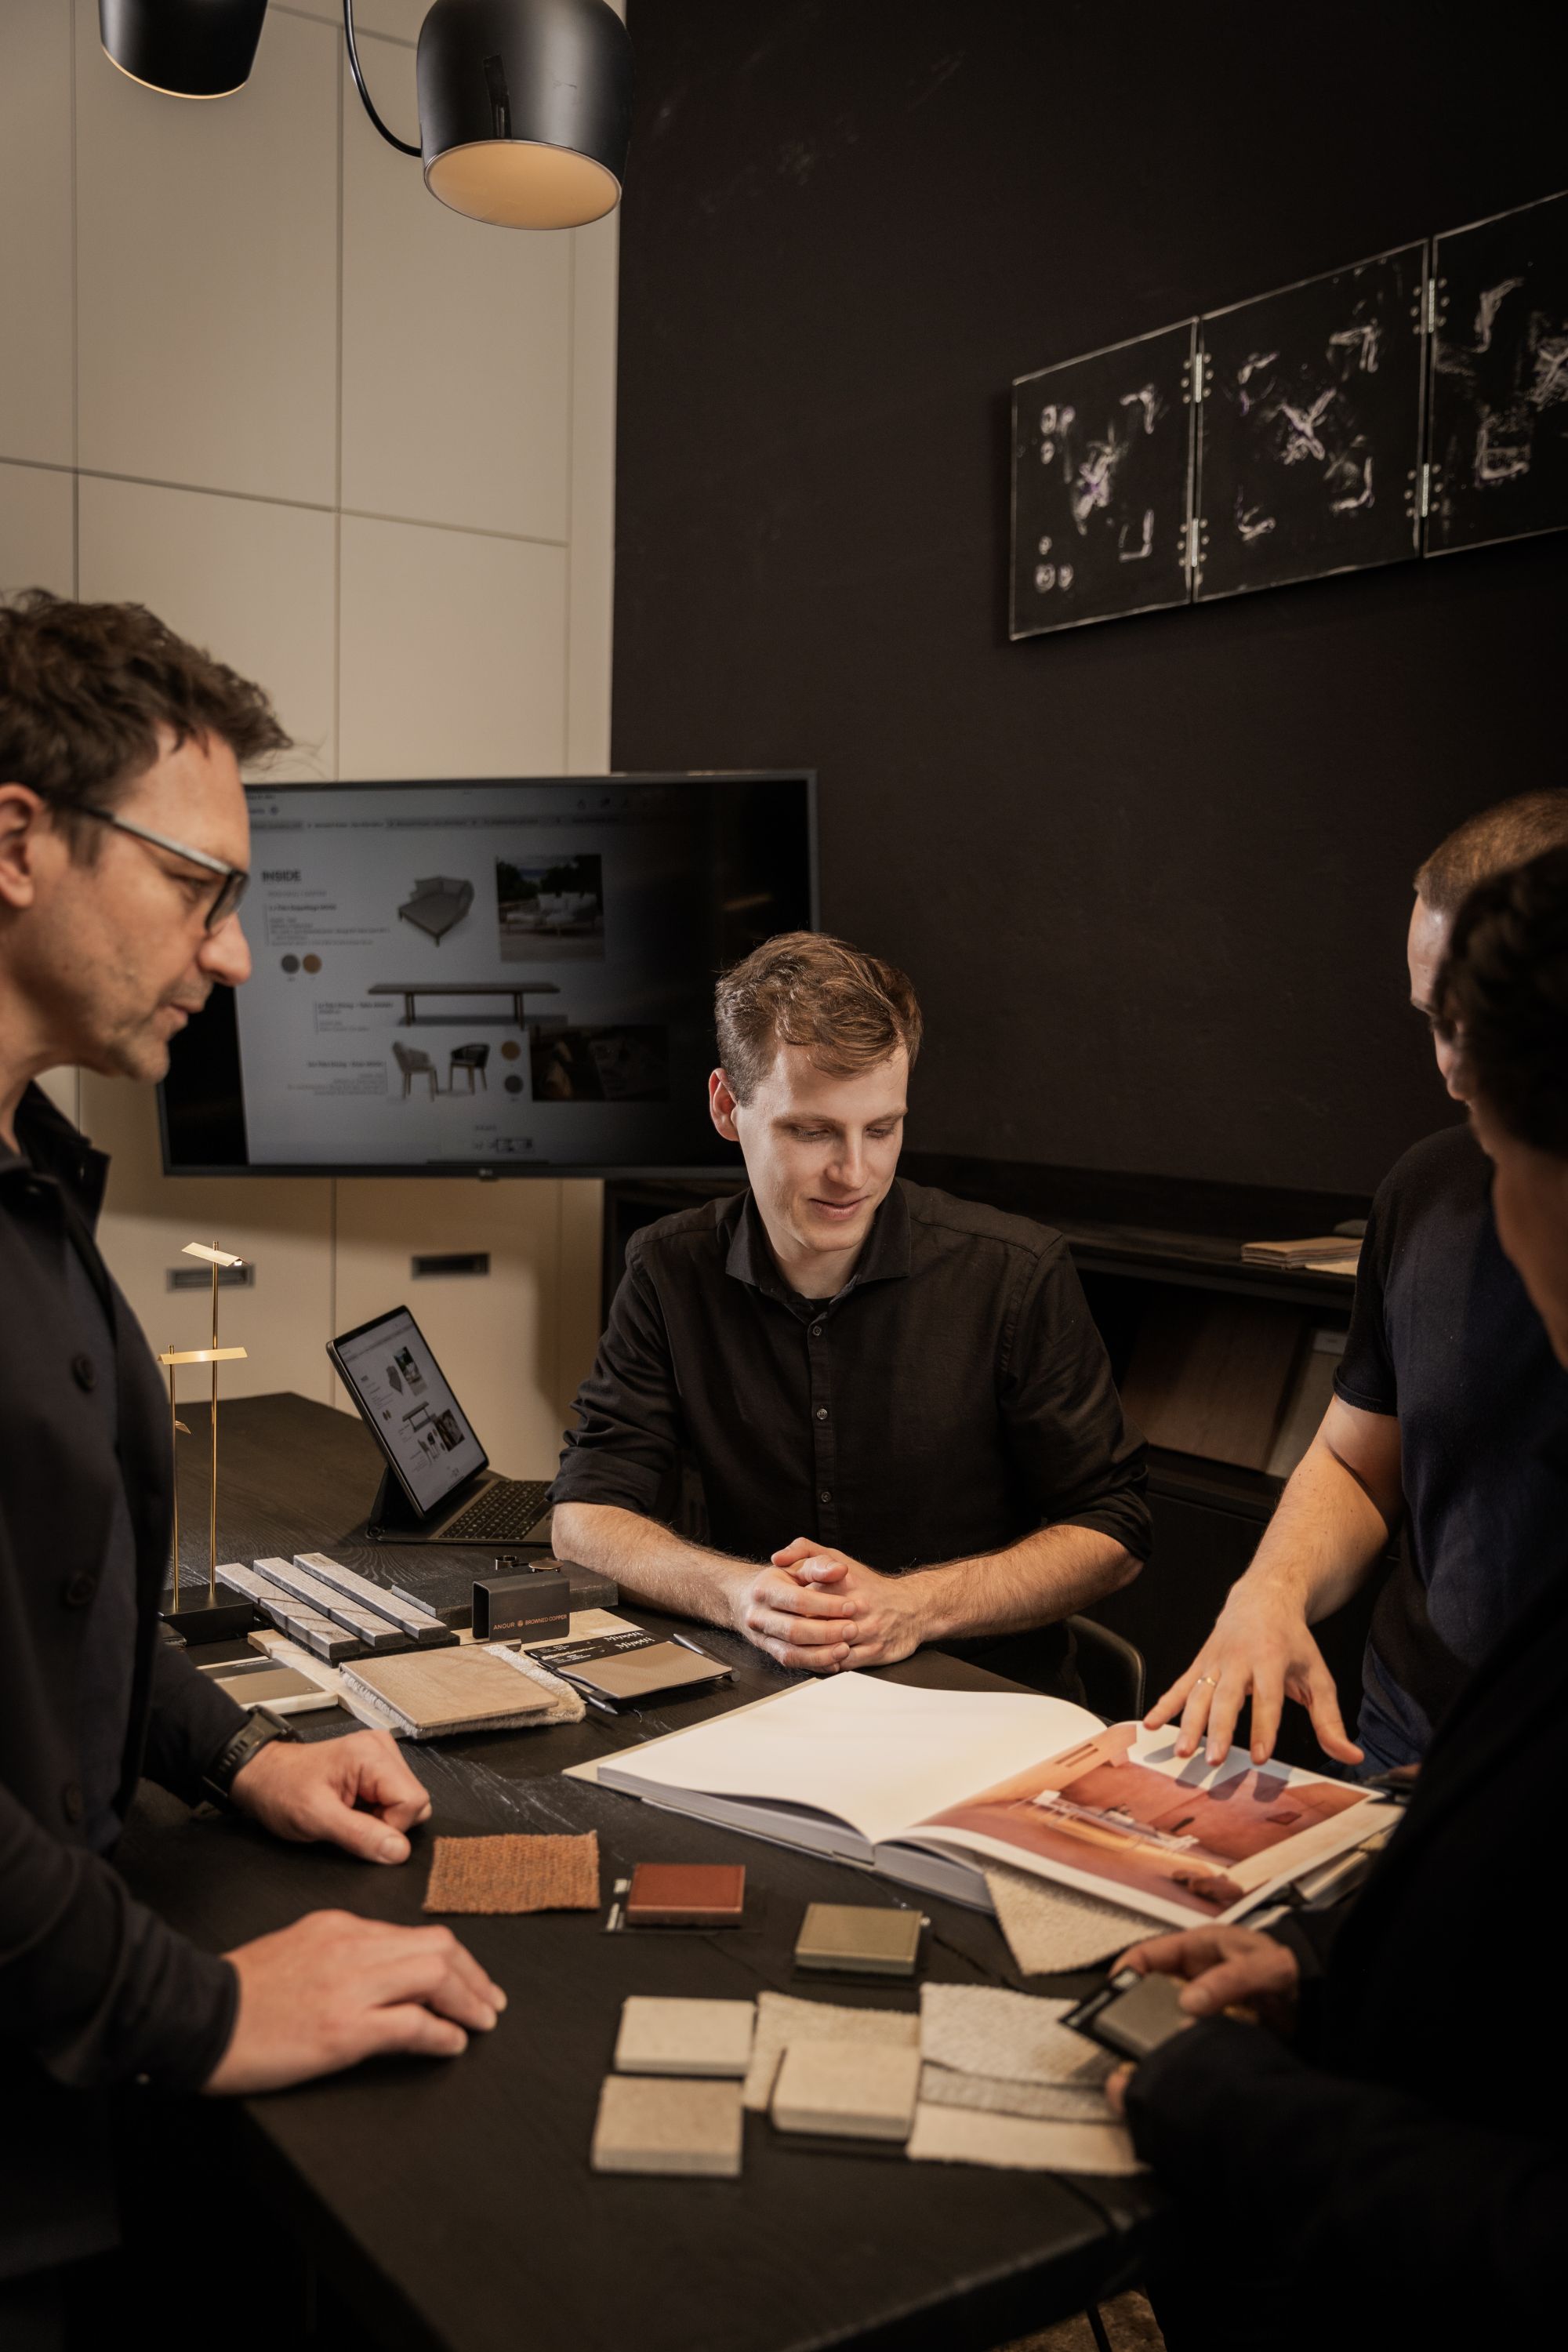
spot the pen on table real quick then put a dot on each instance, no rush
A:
(693, 1648)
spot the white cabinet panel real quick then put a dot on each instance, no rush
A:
(494, 1336)
(453, 654)
(36, 530)
(456, 341)
(251, 582)
(207, 271)
(36, 340)
(282, 1224)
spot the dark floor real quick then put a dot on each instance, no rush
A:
(1128, 2322)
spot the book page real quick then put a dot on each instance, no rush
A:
(878, 1756)
(1121, 1815)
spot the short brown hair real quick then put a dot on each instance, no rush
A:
(85, 689)
(1490, 844)
(1503, 993)
(849, 1010)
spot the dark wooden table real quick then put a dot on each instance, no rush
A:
(451, 2205)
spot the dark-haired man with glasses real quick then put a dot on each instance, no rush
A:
(123, 846)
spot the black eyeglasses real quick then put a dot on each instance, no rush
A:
(230, 889)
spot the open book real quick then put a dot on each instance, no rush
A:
(929, 1786)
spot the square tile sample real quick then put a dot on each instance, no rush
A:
(782, 2018)
(860, 2090)
(646, 2125)
(514, 1873)
(687, 1894)
(685, 2037)
(859, 1939)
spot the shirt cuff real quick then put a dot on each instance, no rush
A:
(609, 1479)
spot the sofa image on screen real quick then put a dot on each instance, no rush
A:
(437, 905)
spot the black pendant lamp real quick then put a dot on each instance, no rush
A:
(188, 48)
(525, 109)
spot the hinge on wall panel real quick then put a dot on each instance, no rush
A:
(1194, 527)
(1431, 306)
(1426, 491)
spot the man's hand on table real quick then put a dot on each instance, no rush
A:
(1225, 1967)
(333, 1989)
(819, 1609)
(1261, 1648)
(355, 1793)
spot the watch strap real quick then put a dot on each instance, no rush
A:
(258, 1730)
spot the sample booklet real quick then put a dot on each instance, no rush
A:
(929, 1786)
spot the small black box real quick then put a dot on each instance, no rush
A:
(528, 1606)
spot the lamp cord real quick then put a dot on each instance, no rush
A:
(391, 138)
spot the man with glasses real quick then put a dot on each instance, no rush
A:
(123, 846)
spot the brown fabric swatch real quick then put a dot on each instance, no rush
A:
(514, 1873)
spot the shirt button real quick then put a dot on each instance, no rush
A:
(80, 1590)
(822, 1413)
(84, 1372)
(71, 1803)
(817, 1330)
(825, 1494)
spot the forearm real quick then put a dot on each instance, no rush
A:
(651, 1563)
(1324, 1540)
(1038, 1582)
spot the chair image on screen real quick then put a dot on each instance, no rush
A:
(437, 905)
(415, 1063)
(470, 1058)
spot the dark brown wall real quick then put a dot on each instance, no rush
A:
(1150, 877)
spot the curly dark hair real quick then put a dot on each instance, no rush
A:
(84, 690)
(1503, 993)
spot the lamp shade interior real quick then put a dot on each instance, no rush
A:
(516, 185)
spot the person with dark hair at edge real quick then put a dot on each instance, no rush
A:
(1445, 1389)
(1373, 2130)
(901, 1414)
(123, 846)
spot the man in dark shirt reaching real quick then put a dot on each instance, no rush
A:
(902, 1412)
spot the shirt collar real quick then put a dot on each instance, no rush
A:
(51, 1146)
(884, 1258)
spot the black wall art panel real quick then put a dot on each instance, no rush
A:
(1102, 463)
(1309, 428)
(1499, 380)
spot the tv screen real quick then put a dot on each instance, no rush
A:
(510, 978)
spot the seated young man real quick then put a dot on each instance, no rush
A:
(1382, 2154)
(902, 1414)
(1447, 1388)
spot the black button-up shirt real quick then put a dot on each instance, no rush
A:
(954, 1396)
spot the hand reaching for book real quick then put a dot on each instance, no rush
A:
(1261, 1648)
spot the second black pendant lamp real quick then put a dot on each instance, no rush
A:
(525, 109)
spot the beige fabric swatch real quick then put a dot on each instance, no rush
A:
(1012, 2036)
(654, 2123)
(782, 2018)
(861, 2090)
(661, 2036)
(1058, 2102)
(1050, 1929)
(965, 2136)
(514, 1873)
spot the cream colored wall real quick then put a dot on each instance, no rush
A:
(251, 375)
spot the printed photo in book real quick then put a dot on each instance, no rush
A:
(1123, 1812)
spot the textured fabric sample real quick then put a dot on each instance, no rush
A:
(1012, 2036)
(965, 2135)
(652, 2124)
(864, 2090)
(514, 1873)
(684, 2037)
(1050, 1927)
(1058, 2102)
(782, 2018)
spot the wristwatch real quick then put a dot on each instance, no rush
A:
(257, 1732)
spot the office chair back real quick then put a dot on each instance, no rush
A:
(1112, 1671)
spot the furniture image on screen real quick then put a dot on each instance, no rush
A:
(437, 905)
(415, 1064)
(513, 990)
(470, 1058)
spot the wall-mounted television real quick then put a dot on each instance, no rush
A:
(498, 977)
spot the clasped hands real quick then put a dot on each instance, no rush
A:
(816, 1608)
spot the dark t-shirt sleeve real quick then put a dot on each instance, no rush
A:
(1366, 1377)
(1082, 1460)
(626, 1449)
